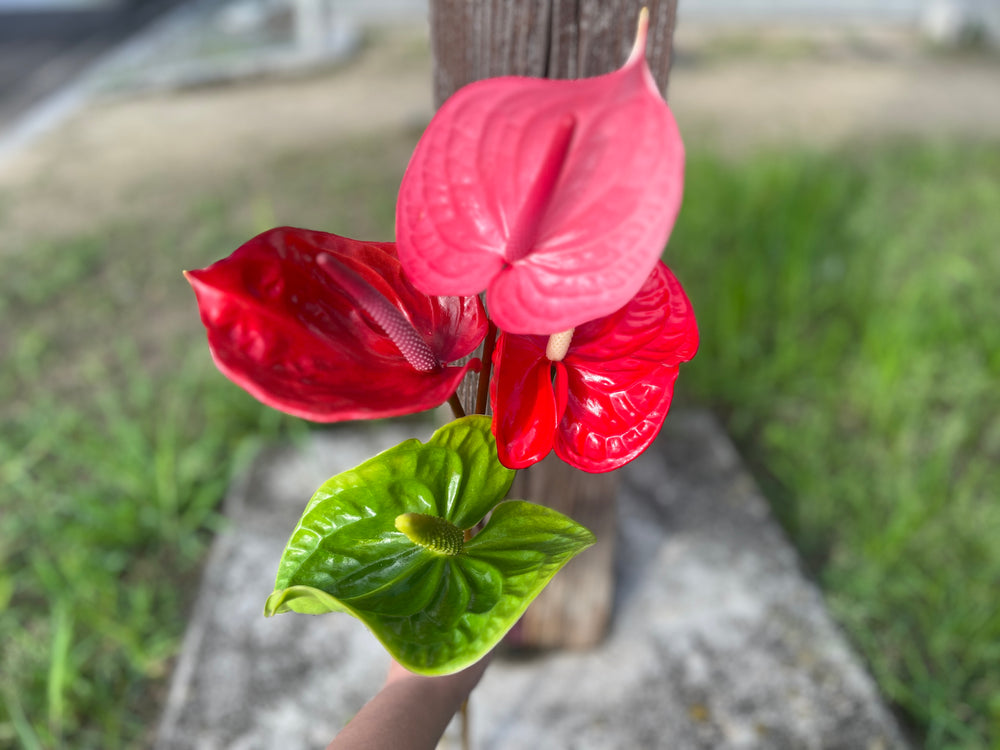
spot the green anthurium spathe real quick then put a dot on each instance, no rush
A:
(387, 542)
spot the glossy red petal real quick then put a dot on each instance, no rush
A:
(557, 196)
(525, 408)
(280, 327)
(621, 372)
(657, 325)
(605, 427)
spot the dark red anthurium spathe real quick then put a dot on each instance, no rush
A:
(557, 197)
(605, 401)
(329, 328)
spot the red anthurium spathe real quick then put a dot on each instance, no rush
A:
(329, 328)
(605, 401)
(557, 197)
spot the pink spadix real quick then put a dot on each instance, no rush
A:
(556, 197)
(395, 325)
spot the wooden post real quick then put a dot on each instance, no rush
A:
(474, 39)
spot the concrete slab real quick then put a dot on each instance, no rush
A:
(717, 640)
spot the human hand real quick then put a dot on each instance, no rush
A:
(457, 685)
(410, 712)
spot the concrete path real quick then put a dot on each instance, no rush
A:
(717, 640)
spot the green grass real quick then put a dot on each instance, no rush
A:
(100, 500)
(119, 438)
(848, 307)
(850, 316)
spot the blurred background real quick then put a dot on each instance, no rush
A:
(839, 240)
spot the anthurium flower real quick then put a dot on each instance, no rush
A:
(393, 542)
(605, 400)
(329, 328)
(557, 197)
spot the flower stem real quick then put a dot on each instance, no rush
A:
(464, 711)
(456, 406)
(483, 389)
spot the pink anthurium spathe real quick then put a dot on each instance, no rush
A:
(557, 197)
(329, 328)
(605, 400)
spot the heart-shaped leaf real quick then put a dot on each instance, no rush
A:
(385, 543)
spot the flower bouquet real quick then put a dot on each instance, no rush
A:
(555, 199)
